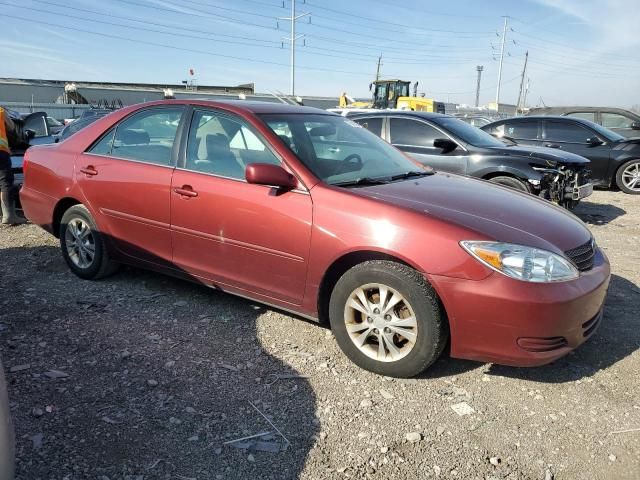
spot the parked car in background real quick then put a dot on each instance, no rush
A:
(7, 448)
(78, 125)
(615, 160)
(621, 121)
(55, 126)
(474, 119)
(306, 211)
(451, 145)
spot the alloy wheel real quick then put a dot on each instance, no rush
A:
(380, 322)
(80, 243)
(631, 177)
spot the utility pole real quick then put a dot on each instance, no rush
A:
(378, 70)
(526, 91)
(504, 38)
(524, 72)
(479, 68)
(292, 40)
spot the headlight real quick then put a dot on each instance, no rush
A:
(522, 263)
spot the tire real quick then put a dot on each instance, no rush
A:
(419, 302)
(510, 182)
(94, 263)
(628, 177)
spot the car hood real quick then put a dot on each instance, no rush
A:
(551, 156)
(491, 211)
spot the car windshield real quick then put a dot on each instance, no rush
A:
(339, 151)
(468, 134)
(605, 132)
(52, 122)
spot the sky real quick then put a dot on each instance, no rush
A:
(580, 51)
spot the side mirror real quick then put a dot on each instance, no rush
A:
(271, 175)
(445, 144)
(594, 141)
(635, 125)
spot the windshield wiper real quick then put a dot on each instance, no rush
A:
(363, 181)
(413, 173)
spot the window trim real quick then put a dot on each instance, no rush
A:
(176, 140)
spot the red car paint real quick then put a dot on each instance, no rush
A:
(278, 248)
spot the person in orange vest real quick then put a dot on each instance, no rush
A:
(7, 203)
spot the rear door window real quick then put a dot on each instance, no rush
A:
(148, 136)
(591, 116)
(408, 132)
(521, 130)
(568, 132)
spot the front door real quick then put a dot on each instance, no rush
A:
(572, 137)
(126, 179)
(250, 238)
(416, 138)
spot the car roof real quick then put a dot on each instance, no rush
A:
(578, 108)
(561, 118)
(400, 113)
(246, 106)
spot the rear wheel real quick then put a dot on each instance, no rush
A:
(83, 246)
(510, 182)
(386, 318)
(628, 177)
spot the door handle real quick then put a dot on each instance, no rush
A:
(89, 170)
(334, 150)
(186, 191)
(552, 145)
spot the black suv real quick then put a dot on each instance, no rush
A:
(615, 160)
(451, 145)
(619, 120)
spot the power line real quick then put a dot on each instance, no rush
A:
(184, 35)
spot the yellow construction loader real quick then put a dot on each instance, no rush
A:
(395, 95)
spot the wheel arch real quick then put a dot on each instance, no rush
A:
(339, 266)
(62, 206)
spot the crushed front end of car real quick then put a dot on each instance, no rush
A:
(565, 185)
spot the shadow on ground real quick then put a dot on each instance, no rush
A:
(597, 213)
(161, 373)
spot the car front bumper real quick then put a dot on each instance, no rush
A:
(510, 322)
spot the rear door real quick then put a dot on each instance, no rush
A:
(572, 137)
(126, 179)
(247, 237)
(415, 137)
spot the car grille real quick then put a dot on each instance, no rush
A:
(582, 256)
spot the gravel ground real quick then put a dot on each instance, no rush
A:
(141, 376)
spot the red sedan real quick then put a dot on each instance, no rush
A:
(308, 212)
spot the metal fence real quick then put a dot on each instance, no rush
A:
(58, 111)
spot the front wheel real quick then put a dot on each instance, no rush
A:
(387, 319)
(510, 182)
(83, 246)
(628, 177)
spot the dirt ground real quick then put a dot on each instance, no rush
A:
(141, 376)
